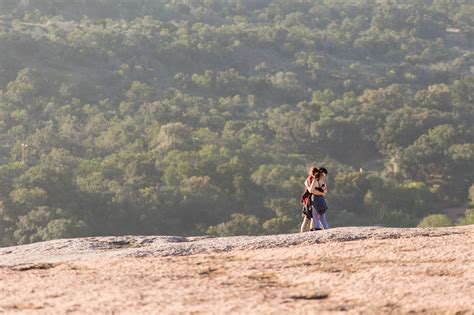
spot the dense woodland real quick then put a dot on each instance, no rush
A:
(202, 117)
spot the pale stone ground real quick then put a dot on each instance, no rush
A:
(364, 270)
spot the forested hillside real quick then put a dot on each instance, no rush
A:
(202, 117)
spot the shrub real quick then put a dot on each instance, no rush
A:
(436, 220)
(468, 217)
(277, 225)
(397, 218)
(240, 224)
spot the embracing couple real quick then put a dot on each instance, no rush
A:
(314, 204)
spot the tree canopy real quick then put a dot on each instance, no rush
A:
(202, 117)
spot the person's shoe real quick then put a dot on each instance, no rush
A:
(317, 229)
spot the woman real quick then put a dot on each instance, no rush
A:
(318, 202)
(306, 199)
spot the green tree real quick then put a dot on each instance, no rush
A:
(436, 220)
(279, 225)
(138, 94)
(240, 224)
(174, 136)
(467, 218)
(45, 223)
(405, 125)
(425, 159)
(349, 191)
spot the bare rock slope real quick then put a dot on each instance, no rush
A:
(354, 270)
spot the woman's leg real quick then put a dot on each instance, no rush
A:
(305, 225)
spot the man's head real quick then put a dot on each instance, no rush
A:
(322, 172)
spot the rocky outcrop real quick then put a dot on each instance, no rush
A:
(99, 248)
(354, 269)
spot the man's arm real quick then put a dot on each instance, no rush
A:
(318, 191)
(324, 187)
(321, 190)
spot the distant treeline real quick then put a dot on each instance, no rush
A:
(202, 117)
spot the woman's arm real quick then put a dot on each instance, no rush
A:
(309, 187)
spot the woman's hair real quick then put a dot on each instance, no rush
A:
(313, 170)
